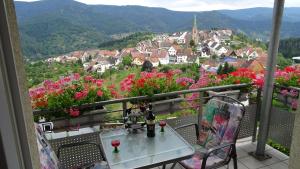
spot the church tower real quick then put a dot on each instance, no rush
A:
(195, 35)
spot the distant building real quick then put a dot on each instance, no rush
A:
(195, 36)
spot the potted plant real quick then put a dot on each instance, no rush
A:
(151, 83)
(288, 83)
(70, 99)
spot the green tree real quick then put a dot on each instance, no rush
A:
(220, 70)
(127, 60)
(147, 66)
(226, 68)
(214, 56)
(90, 58)
(282, 62)
(192, 43)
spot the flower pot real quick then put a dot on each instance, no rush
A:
(89, 117)
(167, 106)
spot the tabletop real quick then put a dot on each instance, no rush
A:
(139, 151)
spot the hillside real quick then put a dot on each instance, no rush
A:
(52, 27)
(290, 47)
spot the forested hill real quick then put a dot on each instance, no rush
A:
(290, 47)
(51, 27)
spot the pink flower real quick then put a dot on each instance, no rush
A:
(76, 76)
(99, 93)
(284, 92)
(293, 93)
(294, 104)
(74, 112)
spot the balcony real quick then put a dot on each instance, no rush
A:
(179, 112)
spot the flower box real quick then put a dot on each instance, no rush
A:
(167, 106)
(89, 117)
(287, 95)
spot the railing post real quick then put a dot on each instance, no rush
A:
(269, 81)
(124, 106)
(258, 107)
(200, 110)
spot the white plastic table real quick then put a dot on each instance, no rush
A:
(139, 151)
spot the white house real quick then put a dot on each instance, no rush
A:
(182, 58)
(101, 67)
(86, 66)
(172, 51)
(221, 50)
(181, 39)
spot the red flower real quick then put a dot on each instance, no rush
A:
(289, 69)
(88, 78)
(78, 95)
(74, 112)
(99, 93)
(99, 82)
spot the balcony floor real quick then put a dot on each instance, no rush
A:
(245, 161)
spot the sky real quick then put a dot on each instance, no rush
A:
(192, 5)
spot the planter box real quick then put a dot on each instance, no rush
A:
(287, 99)
(167, 106)
(87, 119)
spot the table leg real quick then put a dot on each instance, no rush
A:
(173, 165)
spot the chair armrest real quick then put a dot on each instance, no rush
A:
(211, 150)
(188, 125)
(78, 144)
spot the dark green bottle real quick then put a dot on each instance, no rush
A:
(150, 120)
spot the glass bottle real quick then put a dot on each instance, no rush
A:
(150, 120)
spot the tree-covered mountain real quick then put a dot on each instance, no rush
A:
(290, 47)
(51, 27)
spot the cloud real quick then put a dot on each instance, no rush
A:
(193, 5)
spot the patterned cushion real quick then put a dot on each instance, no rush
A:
(48, 158)
(219, 123)
(196, 161)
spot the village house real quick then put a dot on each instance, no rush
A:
(172, 51)
(162, 55)
(101, 66)
(220, 50)
(182, 38)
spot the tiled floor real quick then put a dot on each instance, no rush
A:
(245, 161)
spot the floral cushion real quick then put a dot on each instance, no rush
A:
(196, 161)
(219, 123)
(48, 159)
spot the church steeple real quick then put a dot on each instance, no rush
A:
(195, 35)
(195, 21)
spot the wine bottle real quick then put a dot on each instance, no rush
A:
(150, 120)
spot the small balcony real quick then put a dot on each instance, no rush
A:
(177, 109)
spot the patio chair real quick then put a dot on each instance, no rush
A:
(51, 160)
(216, 139)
